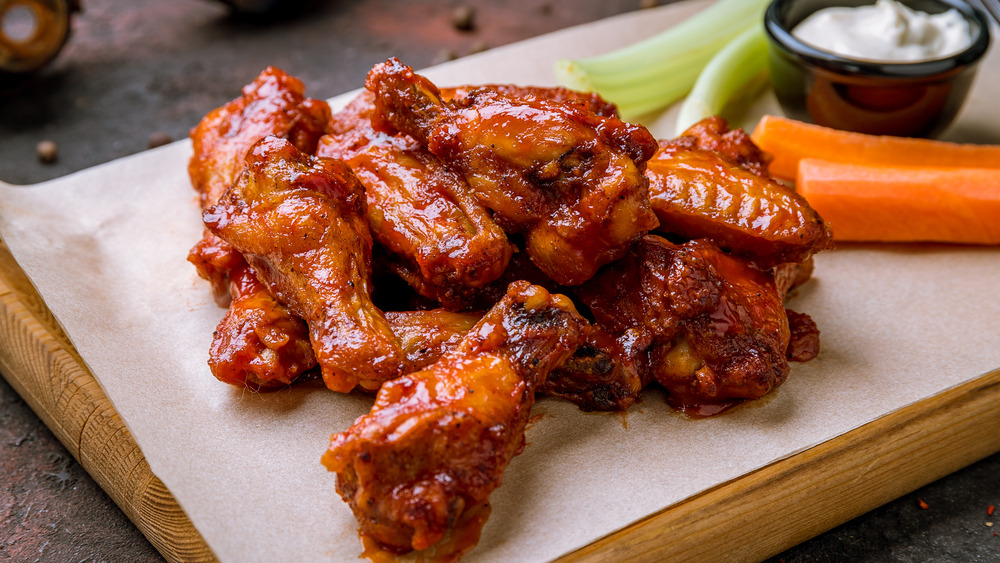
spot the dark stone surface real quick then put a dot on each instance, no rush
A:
(953, 528)
(134, 73)
(50, 509)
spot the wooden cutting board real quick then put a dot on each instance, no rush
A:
(760, 514)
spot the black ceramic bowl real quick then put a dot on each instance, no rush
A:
(914, 99)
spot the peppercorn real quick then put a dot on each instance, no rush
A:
(158, 139)
(463, 18)
(47, 151)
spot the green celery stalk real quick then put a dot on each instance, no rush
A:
(729, 70)
(654, 73)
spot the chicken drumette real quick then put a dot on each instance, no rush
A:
(424, 461)
(273, 104)
(259, 343)
(568, 178)
(300, 222)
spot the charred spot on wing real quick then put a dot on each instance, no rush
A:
(548, 317)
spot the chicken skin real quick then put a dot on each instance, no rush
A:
(426, 336)
(259, 344)
(591, 101)
(422, 464)
(438, 237)
(570, 180)
(699, 192)
(300, 222)
(713, 134)
(604, 374)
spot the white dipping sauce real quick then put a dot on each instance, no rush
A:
(886, 32)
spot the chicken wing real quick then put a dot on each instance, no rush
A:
(709, 327)
(274, 104)
(259, 344)
(440, 239)
(300, 222)
(735, 332)
(698, 192)
(424, 461)
(571, 180)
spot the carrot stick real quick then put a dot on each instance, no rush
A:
(904, 203)
(789, 141)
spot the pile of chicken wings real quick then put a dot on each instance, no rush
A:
(459, 250)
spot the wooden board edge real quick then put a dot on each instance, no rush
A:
(55, 382)
(785, 503)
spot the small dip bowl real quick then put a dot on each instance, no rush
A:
(909, 99)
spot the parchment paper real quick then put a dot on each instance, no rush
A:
(106, 250)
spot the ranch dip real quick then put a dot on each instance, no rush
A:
(885, 32)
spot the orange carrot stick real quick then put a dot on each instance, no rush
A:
(904, 203)
(789, 141)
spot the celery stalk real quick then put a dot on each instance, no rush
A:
(652, 74)
(729, 70)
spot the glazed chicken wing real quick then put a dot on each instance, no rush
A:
(300, 222)
(423, 462)
(709, 327)
(735, 334)
(258, 344)
(274, 104)
(698, 192)
(440, 239)
(569, 179)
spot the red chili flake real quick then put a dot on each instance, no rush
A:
(989, 511)
(922, 504)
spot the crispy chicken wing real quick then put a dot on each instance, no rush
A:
(698, 192)
(300, 222)
(569, 179)
(440, 239)
(424, 461)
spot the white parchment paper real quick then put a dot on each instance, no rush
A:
(106, 250)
